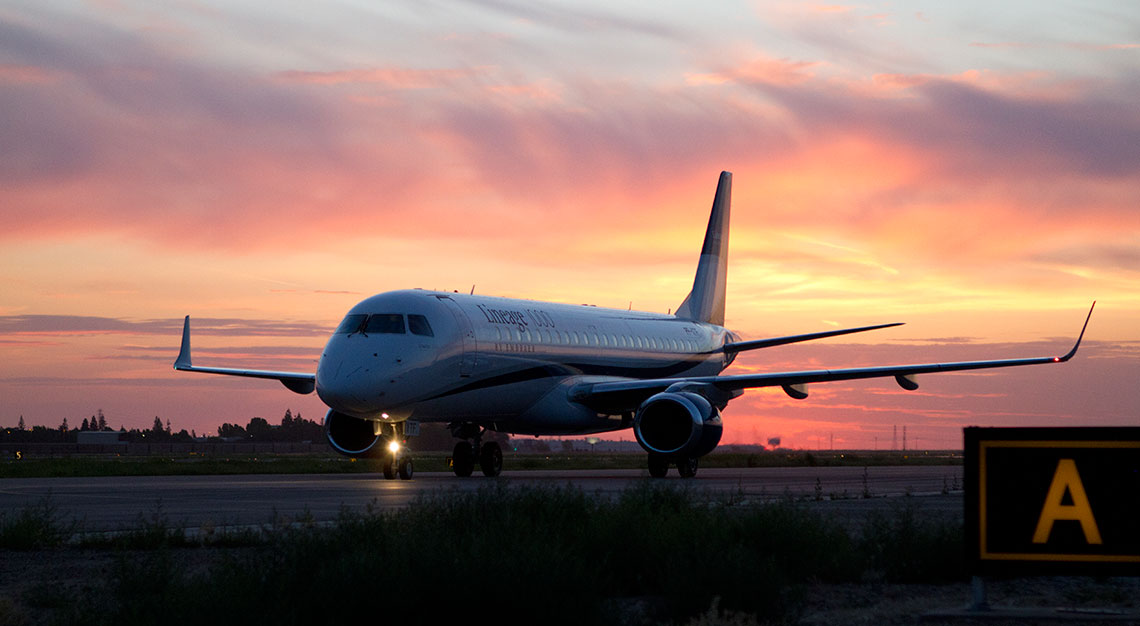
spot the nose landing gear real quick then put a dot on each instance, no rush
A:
(397, 459)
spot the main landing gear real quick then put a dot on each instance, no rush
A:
(397, 459)
(659, 465)
(464, 457)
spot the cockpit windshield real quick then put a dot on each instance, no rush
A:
(418, 324)
(351, 324)
(385, 323)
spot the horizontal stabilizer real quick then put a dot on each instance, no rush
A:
(741, 346)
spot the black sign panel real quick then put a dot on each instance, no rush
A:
(1053, 500)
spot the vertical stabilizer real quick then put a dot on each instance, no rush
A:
(705, 303)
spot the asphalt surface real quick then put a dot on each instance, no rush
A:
(121, 503)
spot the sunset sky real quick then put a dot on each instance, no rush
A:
(969, 168)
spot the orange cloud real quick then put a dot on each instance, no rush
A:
(761, 70)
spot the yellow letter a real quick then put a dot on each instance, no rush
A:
(1066, 477)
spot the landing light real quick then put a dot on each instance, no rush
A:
(394, 446)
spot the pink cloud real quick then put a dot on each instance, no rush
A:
(26, 75)
(391, 77)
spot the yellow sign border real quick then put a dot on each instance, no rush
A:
(983, 446)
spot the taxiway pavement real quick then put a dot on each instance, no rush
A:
(121, 503)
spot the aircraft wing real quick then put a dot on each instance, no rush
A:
(627, 395)
(297, 382)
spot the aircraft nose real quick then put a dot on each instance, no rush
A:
(340, 390)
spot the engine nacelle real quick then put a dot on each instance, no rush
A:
(351, 436)
(678, 424)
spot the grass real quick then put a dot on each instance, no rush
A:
(551, 555)
(426, 462)
(34, 527)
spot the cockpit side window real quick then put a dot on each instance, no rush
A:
(418, 324)
(351, 324)
(385, 323)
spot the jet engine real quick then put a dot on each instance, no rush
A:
(351, 436)
(677, 424)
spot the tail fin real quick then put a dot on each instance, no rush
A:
(705, 303)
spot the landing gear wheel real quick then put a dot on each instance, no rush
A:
(491, 459)
(406, 468)
(389, 467)
(658, 465)
(463, 459)
(687, 466)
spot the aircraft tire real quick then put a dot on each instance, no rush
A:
(463, 459)
(491, 459)
(658, 465)
(406, 468)
(389, 467)
(687, 466)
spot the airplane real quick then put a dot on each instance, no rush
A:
(483, 363)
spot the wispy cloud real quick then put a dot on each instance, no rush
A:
(60, 325)
(391, 77)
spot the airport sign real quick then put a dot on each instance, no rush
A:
(1052, 500)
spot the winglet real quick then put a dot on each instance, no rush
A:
(183, 360)
(1062, 359)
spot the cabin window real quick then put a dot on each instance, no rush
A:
(385, 323)
(351, 323)
(418, 324)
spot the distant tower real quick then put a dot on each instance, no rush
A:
(894, 437)
(904, 437)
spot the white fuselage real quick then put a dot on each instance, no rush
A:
(505, 363)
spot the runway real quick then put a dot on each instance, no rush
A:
(121, 503)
